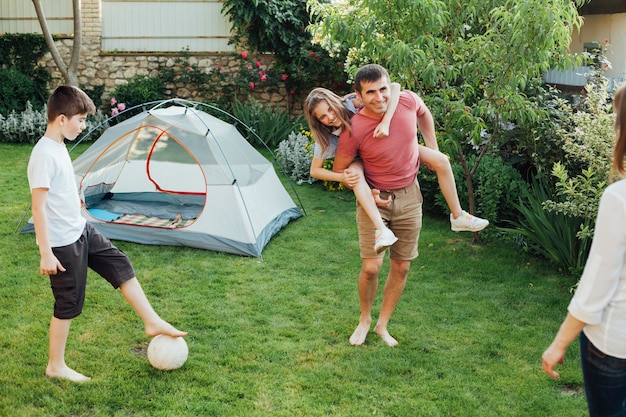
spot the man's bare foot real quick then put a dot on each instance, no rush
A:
(359, 335)
(163, 327)
(384, 334)
(66, 373)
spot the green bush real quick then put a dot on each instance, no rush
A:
(496, 187)
(139, 89)
(16, 89)
(294, 156)
(28, 126)
(554, 236)
(21, 53)
(271, 124)
(277, 26)
(587, 149)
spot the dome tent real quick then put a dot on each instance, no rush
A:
(176, 175)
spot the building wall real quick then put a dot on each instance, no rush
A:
(601, 27)
(111, 68)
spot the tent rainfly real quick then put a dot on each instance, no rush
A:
(175, 175)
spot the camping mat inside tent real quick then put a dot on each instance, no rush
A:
(146, 210)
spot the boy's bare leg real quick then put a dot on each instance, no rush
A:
(368, 285)
(394, 287)
(153, 323)
(59, 330)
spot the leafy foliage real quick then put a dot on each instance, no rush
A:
(20, 54)
(498, 187)
(294, 156)
(16, 90)
(272, 125)
(452, 54)
(269, 25)
(140, 89)
(278, 27)
(584, 172)
(221, 86)
(552, 235)
(28, 126)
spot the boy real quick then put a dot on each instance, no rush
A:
(68, 245)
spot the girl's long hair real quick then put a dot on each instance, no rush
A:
(619, 105)
(319, 131)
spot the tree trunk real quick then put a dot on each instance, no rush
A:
(69, 73)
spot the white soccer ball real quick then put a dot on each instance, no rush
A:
(167, 352)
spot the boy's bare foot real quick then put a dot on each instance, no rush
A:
(359, 335)
(384, 334)
(66, 373)
(163, 327)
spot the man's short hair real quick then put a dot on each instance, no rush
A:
(69, 101)
(369, 73)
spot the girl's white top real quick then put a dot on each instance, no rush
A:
(600, 299)
(332, 147)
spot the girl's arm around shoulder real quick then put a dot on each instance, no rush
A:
(346, 176)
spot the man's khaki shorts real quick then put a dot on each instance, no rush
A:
(403, 217)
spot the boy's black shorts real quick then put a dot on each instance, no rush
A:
(91, 250)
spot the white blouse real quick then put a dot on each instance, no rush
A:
(600, 299)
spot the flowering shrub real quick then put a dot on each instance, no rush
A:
(307, 70)
(116, 107)
(332, 185)
(23, 127)
(280, 28)
(30, 125)
(294, 156)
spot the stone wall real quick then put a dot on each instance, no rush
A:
(111, 69)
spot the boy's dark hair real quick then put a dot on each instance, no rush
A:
(69, 101)
(369, 73)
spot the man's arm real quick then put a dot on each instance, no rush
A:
(341, 163)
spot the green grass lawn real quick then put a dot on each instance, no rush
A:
(270, 337)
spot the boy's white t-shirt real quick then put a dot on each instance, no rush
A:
(50, 166)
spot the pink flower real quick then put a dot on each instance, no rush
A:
(292, 92)
(251, 85)
(311, 54)
(219, 67)
(121, 106)
(113, 101)
(244, 55)
(258, 64)
(263, 78)
(283, 77)
(114, 111)
(188, 68)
